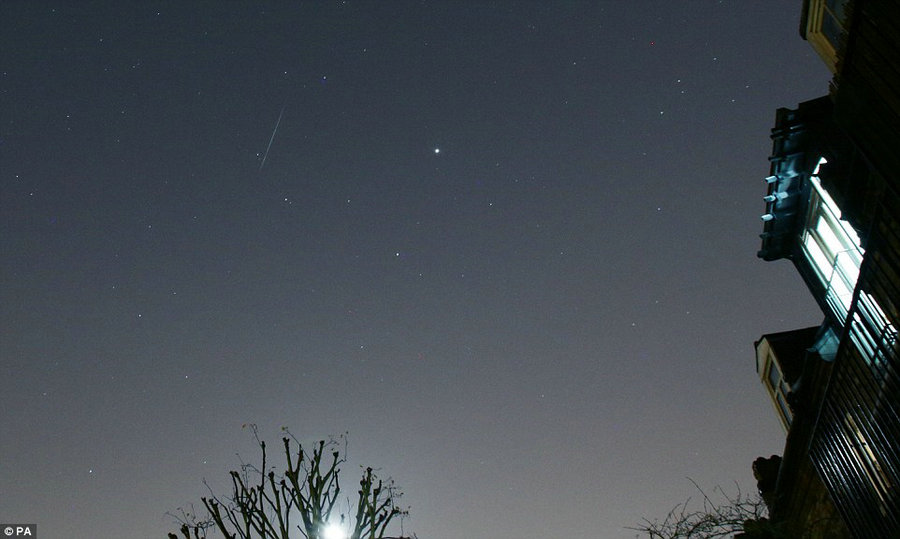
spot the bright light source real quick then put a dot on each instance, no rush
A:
(333, 531)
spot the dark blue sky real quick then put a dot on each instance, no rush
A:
(540, 330)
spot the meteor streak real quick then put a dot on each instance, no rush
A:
(261, 165)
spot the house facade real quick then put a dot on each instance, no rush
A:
(832, 209)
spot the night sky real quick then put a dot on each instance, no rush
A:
(510, 247)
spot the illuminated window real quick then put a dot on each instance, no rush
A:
(832, 247)
(835, 252)
(874, 336)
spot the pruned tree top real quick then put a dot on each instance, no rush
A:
(305, 498)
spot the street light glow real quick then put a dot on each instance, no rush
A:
(333, 531)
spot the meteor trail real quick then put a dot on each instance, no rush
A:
(261, 165)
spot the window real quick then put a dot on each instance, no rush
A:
(779, 390)
(832, 247)
(826, 23)
(871, 332)
(835, 252)
(834, 18)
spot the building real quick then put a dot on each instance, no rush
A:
(832, 208)
(794, 367)
(779, 362)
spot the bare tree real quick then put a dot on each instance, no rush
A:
(737, 515)
(267, 505)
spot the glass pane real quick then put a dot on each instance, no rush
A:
(839, 9)
(848, 268)
(831, 30)
(830, 240)
(840, 294)
(785, 409)
(774, 377)
(818, 258)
